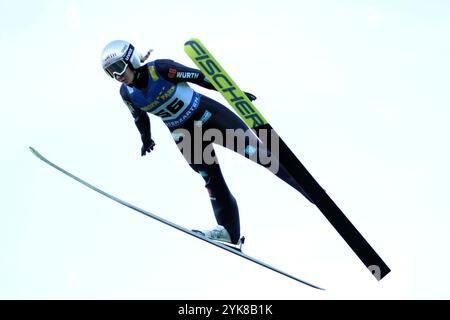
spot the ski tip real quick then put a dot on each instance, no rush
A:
(35, 152)
(191, 40)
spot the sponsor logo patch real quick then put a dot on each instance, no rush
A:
(172, 73)
(187, 75)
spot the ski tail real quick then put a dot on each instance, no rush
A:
(355, 240)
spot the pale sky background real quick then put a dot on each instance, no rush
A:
(358, 89)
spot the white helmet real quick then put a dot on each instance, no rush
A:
(116, 57)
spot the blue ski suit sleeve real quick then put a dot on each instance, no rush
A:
(176, 72)
(141, 119)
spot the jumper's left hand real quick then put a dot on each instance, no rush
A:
(147, 147)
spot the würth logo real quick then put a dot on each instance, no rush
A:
(187, 75)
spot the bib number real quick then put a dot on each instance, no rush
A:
(171, 109)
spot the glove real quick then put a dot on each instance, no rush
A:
(250, 96)
(147, 147)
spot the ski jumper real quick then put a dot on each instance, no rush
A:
(160, 88)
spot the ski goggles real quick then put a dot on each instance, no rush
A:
(117, 68)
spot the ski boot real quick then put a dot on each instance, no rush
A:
(220, 234)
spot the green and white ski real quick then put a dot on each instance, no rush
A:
(309, 186)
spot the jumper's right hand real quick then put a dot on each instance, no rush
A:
(147, 147)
